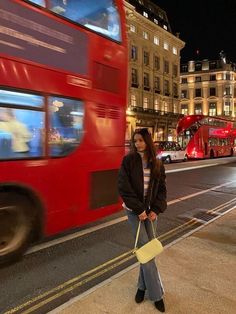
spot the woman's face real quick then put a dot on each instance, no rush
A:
(139, 143)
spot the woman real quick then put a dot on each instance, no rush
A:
(142, 187)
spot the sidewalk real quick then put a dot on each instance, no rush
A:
(198, 274)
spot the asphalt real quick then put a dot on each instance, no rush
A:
(198, 273)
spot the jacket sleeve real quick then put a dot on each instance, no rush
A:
(159, 204)
(126, 191)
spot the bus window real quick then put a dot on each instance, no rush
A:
(21, 133)
(66, 126)
(21, 127)
(100, 16)
(39, 2)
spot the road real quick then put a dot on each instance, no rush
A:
(55, 271)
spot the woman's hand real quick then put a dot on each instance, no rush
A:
(152, 216)
(143, 216)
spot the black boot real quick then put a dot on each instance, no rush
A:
(139, 297)
(160, 305)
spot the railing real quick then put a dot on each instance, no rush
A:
(156, 112)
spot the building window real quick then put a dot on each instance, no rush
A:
(198, 66)
(133, 102)
(134, 53)
(184, 109)
(145, 14)
(227, 108)
(156, 40)
(175, 51)
(166, 88)
(165, 106)
(156, 63)
(212, 109)
(227, 76)
(175, 70)
(134, 77)
(175, 107)
(132, 28)
(155, 21)
(145, 35)
(146, 79)
(198, 92)
(227, 91)
(198, 79)
(157, 84)
(166, 45)
(212, 65)
(156, 105)
(212, 91)
(165, 27)
(198, 109)
(212, 77)
(184, 80)
(145, 103)
(175, 90)
(184, 93)
(184, 68)
(146, 58)
(166, 66)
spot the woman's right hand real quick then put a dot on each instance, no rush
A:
(143, 216)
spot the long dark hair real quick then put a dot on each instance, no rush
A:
(150, 152)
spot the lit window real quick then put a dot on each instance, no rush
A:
(175, 108)
(165, 27)
(145, 14)
(133, 101)
(155, 21)
(156, 105)
(156, 40)
(175, 52)
(145, 35)
(166, 45)
(145, 103)
(132, 28)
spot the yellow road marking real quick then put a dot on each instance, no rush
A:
(20, 307)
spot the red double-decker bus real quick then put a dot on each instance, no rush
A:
(63, 88)
(206, 137)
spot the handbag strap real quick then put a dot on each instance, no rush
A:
(138, 231)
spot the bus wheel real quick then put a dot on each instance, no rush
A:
(168, 160)
(15, 226)
(212, 154)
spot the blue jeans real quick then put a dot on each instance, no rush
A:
(149, 278)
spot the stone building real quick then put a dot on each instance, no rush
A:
(154, 71)
(208, 87)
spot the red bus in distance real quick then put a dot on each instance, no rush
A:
(206, 137)
(63, 89)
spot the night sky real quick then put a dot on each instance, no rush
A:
(205, 25)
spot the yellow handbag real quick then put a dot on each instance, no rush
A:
(149, 250)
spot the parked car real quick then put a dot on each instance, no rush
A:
(170, 151)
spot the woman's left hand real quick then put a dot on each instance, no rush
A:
(152, 216)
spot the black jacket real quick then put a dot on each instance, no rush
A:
(131, 186)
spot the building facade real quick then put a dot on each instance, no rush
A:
(154, 71)
(208, 87)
